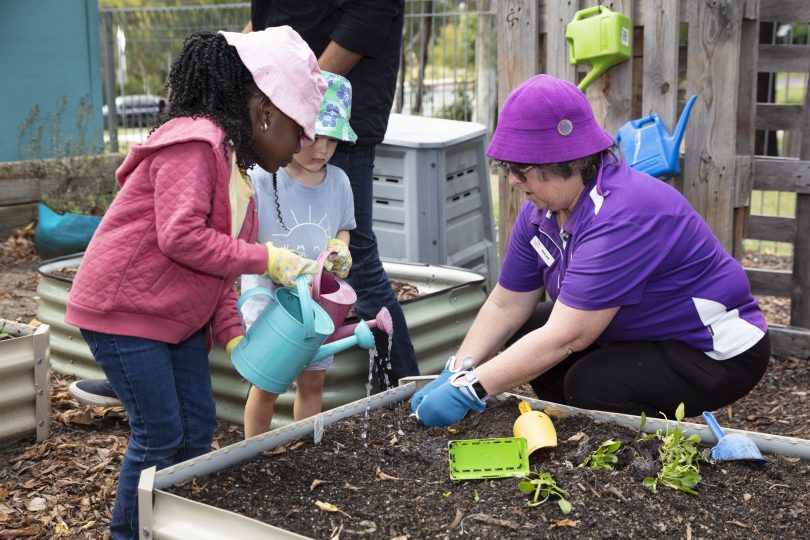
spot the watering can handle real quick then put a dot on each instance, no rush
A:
(316, 280)
(249, 294)
(641, 121)
(307, 311)
(582, 13)
(714, 427)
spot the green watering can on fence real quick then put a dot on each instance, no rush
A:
(603, 40)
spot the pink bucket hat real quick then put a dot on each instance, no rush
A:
(547, 120)
(285, 70)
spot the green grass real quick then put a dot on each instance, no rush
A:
(773, 203)
(792, 94)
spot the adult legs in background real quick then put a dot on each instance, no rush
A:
(650, 377)
(367, 275)
(166, 390)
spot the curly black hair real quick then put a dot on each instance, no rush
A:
(278, 206)
(209, 79)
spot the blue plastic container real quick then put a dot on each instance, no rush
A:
(58, 235)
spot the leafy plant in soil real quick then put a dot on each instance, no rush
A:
(542, 484)
(679, 456)
(604, 457)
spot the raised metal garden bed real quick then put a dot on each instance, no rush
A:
(437, 320)
(166, 515)
(25, 401)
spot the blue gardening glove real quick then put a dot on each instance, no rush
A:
(448, 370)
(448, 403)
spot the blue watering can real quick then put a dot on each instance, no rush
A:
(649, 148)
(288, 335)
(732, 447)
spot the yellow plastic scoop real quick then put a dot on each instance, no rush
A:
(536, 427)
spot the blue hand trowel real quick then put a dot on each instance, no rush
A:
(732, 447)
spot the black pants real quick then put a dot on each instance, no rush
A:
(650, 377)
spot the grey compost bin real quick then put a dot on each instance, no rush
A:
(437, 320)
(432, 201)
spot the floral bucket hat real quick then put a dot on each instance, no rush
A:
(336, 109)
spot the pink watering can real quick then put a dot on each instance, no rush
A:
(337, 297)
(288, 335)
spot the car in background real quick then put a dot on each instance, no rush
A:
(138, 110)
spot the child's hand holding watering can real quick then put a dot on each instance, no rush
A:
(284, 265)
(340, 261)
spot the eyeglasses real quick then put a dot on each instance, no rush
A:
(519, 171)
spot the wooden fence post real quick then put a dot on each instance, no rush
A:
(611, 94)
(713, 60)
(660, 91)
(518, 59)
(800, 282)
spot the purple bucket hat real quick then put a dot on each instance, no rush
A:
(285, 70)
(547, 120)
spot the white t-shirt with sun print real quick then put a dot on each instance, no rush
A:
(312, 216)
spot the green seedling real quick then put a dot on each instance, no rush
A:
(541, 485)
(679, 458)
(603, 457)
(476, 496)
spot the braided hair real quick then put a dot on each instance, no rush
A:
(209, 79)
(278, 206)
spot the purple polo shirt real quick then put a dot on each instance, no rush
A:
(635, 242)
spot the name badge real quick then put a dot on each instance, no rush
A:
(542, 251)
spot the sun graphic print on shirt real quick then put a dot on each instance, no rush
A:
(307, 237)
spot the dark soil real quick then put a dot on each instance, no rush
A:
(399, 486)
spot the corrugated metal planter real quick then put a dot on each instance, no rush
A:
(165, 515)
(437, 321)
(25, 400)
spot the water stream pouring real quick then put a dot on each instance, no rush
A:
(287, 335)
(648, 147)
(600, 37)
(732, 447)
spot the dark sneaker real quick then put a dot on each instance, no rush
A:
(94, 392)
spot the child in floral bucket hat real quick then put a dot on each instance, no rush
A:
(308, 207)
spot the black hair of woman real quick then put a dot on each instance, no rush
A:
(209, 79)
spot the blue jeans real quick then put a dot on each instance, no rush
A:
(166, 390)
(367, 275)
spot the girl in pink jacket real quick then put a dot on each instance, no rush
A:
(156, 283)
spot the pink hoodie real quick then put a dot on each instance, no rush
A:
(162, 264)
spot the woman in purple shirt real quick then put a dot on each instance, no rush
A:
(648, 309)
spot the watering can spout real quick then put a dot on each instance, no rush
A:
(362, 337)
(674, 141)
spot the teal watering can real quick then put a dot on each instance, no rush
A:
(288, 334)
(648, 147)
(600, 37)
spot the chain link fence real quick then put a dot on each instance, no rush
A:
(447, 70)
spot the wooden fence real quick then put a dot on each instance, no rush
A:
(719, 61)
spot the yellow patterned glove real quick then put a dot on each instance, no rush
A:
(284, 265)
(232, 345)
(340, 262)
